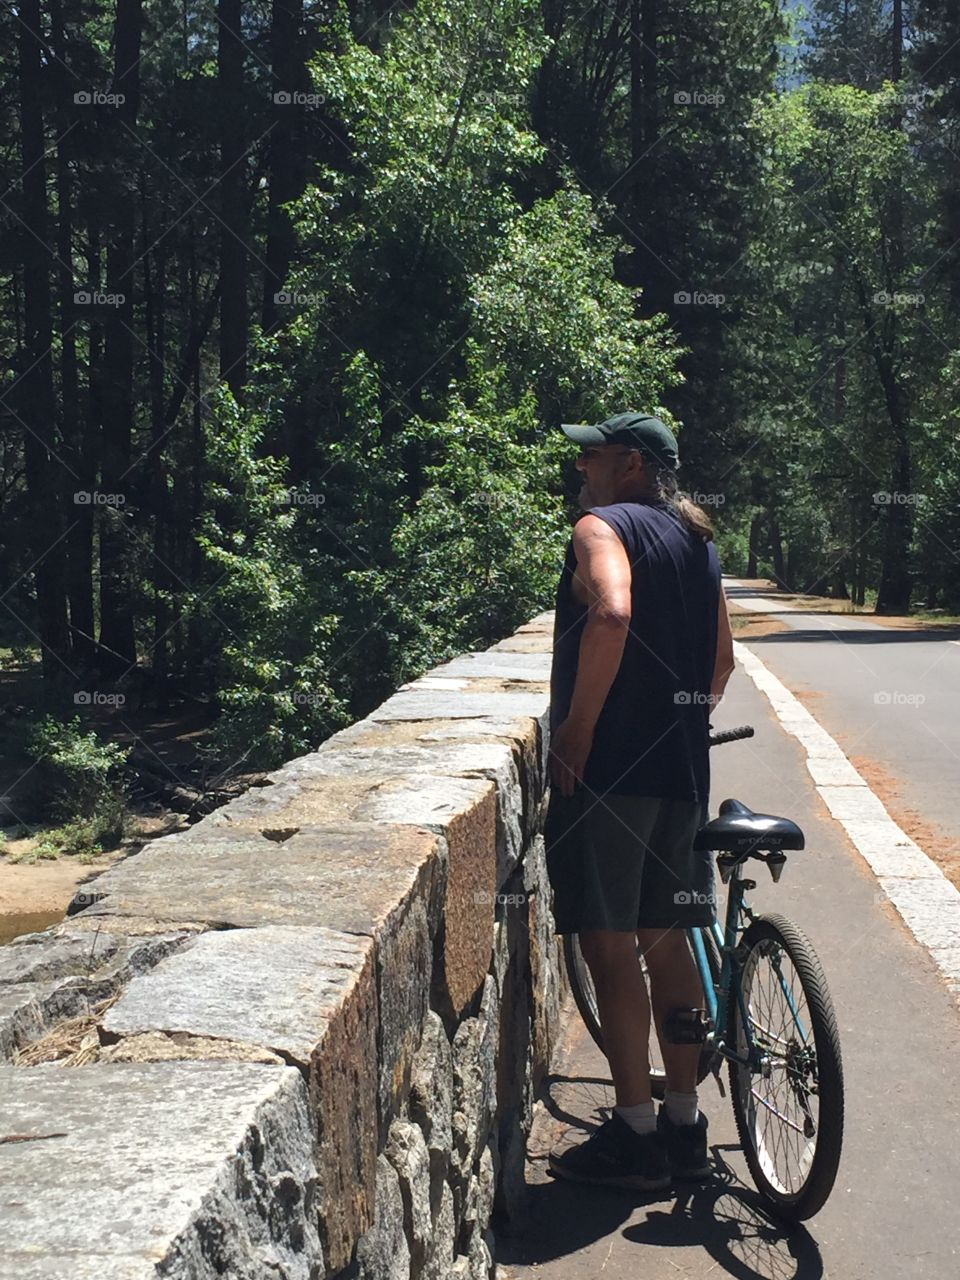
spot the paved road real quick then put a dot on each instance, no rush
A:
(889, 695)
(893, 1213)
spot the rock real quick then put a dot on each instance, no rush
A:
(464, 810)
(40, 956)
(431, 1101)
(533, 667)
(28, 1010)
(407, 1152)
(348, 876)
(308, 994)
(491, 759)
(382, 1252)
(475, 1082)
(192, 1170)
(479, 1255)
(443, 1238)
(435, 704)
(278, 987)
(156, 1046)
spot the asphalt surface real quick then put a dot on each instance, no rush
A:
(890, 695)
(893, 1212)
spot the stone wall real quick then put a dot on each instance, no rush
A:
(302, 1038)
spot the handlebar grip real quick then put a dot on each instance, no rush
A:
(731, 735)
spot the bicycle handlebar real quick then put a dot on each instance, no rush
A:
(731, 735)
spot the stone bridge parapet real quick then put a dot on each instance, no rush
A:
(302, 1038)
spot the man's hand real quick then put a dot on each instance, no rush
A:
(569, 749)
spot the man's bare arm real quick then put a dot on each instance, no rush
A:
(604, 574)
(602, 581)
(724, 666)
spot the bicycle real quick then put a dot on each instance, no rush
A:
(786, 1076)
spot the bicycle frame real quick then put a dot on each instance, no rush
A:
(717, 994)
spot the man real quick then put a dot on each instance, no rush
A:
(642, 650)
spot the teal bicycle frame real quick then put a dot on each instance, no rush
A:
(717, 994)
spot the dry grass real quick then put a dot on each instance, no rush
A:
(72, 1043)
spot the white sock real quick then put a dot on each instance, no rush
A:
(681, 1107)
(640, 1117)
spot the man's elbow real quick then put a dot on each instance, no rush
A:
(611, 616)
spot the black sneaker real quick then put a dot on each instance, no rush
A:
(686, 1145)
(616, 1156)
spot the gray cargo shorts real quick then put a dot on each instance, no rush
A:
(627, 862)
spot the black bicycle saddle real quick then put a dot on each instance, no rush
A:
(737, 829)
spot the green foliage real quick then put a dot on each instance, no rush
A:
(552, 318)
(81, 839)
(448, 325)
(483, 542)
(270, 667)
(82, 779)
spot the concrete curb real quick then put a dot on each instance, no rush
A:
(926, 900)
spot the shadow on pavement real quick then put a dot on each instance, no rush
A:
(850, 635)
(732, 1223)
(723, 1217)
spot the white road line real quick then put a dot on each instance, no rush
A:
(927, 901)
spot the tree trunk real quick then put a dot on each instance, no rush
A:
(234, 198)
(893, 594)
(156, 496)
(286, 151)
(780, 571)
(756, 524)
(36, 400)
(117, 648)
(79, 557)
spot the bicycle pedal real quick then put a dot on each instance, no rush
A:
(686, 1026)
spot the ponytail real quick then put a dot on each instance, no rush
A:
(668, 491)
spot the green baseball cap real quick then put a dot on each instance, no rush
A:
(638, 430)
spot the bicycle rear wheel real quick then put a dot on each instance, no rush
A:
(790, 1114)
(585, 997)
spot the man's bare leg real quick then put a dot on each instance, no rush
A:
(624, 1010)
(675, 984)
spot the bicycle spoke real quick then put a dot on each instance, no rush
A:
(781, 1100)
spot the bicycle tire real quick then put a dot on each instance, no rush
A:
(798, 1203)
(581, 984)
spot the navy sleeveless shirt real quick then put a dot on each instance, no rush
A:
(651, 736)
